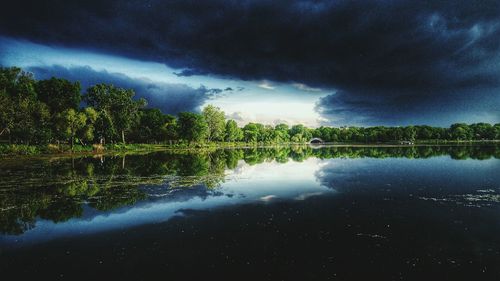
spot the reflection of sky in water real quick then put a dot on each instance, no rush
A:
(438, 175)
(438, 179)
(263, 182)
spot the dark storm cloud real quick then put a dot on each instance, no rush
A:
(386, 108)
(170, 98)
(380, 54)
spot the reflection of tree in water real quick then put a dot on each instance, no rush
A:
(57, 189)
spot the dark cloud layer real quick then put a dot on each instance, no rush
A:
(381, 55)
(170, 98)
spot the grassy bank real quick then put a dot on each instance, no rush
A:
(51, 149)
(64, 149)
(31, 150)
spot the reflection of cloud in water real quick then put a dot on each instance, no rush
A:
(246, 184)
(423, 177)
(307, 195)
(267, 198)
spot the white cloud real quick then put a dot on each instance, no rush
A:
(266, 85)
(304, 87)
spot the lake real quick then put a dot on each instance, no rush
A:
(271, 213)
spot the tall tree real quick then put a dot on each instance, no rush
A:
(118, 103)
(233, 132)
(71, 122)
(251, 132)
(409, 133)
(6, 114)
(59, 94)
(300, 133)
(104, 128)
(171, 128)
(461, 131)
(215, 119)
(281, 132)
(87, 132)
(26, 106)
(151, 126)
(192, 127)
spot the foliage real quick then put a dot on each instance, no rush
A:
(192, 127)
(232, 132)
(216, 123)
(70, 122)
(59, 94)
(118, 103)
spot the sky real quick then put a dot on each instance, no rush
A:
(314, 62)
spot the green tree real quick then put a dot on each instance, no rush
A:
(171, 128)
(71, 122)
(233, 132)
(59, 94)
(104, 128)
(483, 131)
(118, 103)
(251, 132)
(29, 114)
(192, 127)
(409, 133)
(150, 127)
(397, 133)
(424, 132)
(299, 133)
(461, 131)
(215, 121)
(6, 114)
(87, 132)
(281, 133)
(42, 130)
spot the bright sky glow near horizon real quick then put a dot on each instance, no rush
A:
(255, 101)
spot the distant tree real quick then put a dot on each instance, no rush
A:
(233, 132)
(482, 131)
(281, 133)
(299, 133)
(267, 134)
(409, 133)
(215, 121)
(424, 132)
(460, 131)
(251, 132)
(496, 130)
(397, 133)
(192, 127)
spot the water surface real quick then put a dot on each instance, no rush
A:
(327, 213)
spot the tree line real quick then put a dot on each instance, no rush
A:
(55, 111)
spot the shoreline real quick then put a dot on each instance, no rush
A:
(35, 151)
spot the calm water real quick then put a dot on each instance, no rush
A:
(301, 213)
